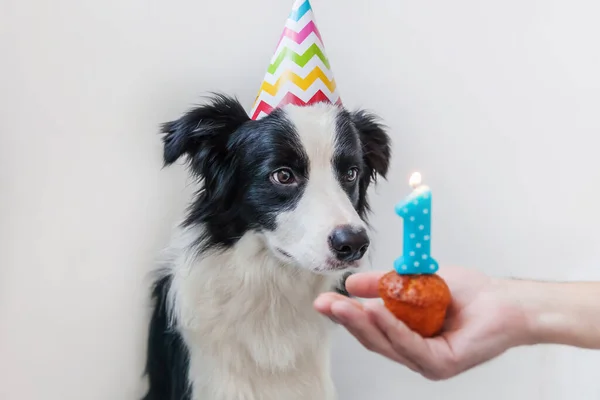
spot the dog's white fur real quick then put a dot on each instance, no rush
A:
(246, 313)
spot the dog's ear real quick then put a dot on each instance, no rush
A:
(376, 152)
(201, 135)
(375, 143)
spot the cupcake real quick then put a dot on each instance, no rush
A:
(420, 300)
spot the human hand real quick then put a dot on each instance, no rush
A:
(482, 322)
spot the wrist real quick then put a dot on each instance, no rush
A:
(556, 313)
(521, 300)
(536, 300)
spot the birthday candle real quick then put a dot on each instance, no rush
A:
(415, 211)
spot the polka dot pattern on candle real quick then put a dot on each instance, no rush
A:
(415, 212)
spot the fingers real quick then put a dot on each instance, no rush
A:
(350, 313)
(364, 284)
(379, 331)
(408, 344)
(402, 338)
(323, 303)
(357, 322)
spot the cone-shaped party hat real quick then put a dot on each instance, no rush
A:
(299, 72)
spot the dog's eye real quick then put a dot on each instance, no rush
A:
(283, 176)
(351, 175)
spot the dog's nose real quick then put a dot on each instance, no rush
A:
(349, 243)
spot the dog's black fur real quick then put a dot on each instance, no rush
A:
(166, 359)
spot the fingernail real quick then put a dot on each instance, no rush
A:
(373, 308)
(371, 304)
(337, 309)
(319, 302)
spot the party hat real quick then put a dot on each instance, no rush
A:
(299, 72)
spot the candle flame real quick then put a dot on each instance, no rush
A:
(415, 180)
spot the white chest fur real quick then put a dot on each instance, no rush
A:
(249, 324)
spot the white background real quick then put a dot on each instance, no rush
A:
(496, 103)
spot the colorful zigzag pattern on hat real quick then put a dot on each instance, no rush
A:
(299, 72)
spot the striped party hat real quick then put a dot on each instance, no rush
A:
(299, 72)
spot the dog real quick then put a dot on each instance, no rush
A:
(280, 217)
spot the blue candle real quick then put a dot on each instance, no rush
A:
(415, 211)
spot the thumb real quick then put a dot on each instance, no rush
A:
(364, 284)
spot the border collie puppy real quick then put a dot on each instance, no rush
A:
(279, 218)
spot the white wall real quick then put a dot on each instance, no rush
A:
(496, 103)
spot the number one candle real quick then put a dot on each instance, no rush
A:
(414, 293)
(415, 210)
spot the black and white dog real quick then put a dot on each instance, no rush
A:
(279, 219)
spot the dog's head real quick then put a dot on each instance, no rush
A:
(297, 177)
